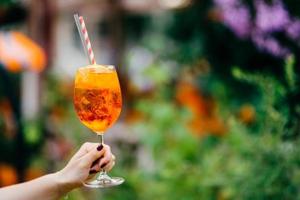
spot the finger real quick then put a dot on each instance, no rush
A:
(95, 164)
(105, 160)
(92, 156)
(95, 168)
(108, 156)
(109, 166)
(99, 148)
(85, 148)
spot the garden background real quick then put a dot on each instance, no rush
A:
(210, 89)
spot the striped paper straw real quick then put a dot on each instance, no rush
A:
(85, 38)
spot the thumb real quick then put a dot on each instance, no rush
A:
(91, 156)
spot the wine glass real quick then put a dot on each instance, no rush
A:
(98, 103)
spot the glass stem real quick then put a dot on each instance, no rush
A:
(100, 135)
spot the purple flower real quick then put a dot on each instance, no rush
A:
(226, 3)
(238, 19)
(293, 29)
(236, 16)
(270, 45)
(271, 17)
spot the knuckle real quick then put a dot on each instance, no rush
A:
(109, 157)
(105, 160)
(86, 144)
(107, 147)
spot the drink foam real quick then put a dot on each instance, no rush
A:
(98, 68)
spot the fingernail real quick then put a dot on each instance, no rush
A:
(93, 171)
(103, 165)
(100, 147)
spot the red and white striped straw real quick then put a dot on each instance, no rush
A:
(85, 38)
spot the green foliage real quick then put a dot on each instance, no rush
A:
(245, 163)
(32, 132)
(6, 2)
(240, 165)
(290, 75)
(252, 162)
(271, 93)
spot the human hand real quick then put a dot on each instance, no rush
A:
(88, 160)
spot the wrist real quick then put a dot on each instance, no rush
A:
(61, 184)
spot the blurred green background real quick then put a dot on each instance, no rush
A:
(210, 88)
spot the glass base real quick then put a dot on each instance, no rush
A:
(104, 181)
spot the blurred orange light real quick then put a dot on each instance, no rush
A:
(8, 175)
(17, 51)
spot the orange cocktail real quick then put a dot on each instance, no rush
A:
(97, 97)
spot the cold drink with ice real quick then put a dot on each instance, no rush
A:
(97, 97)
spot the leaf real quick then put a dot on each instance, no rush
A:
(290, 75)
